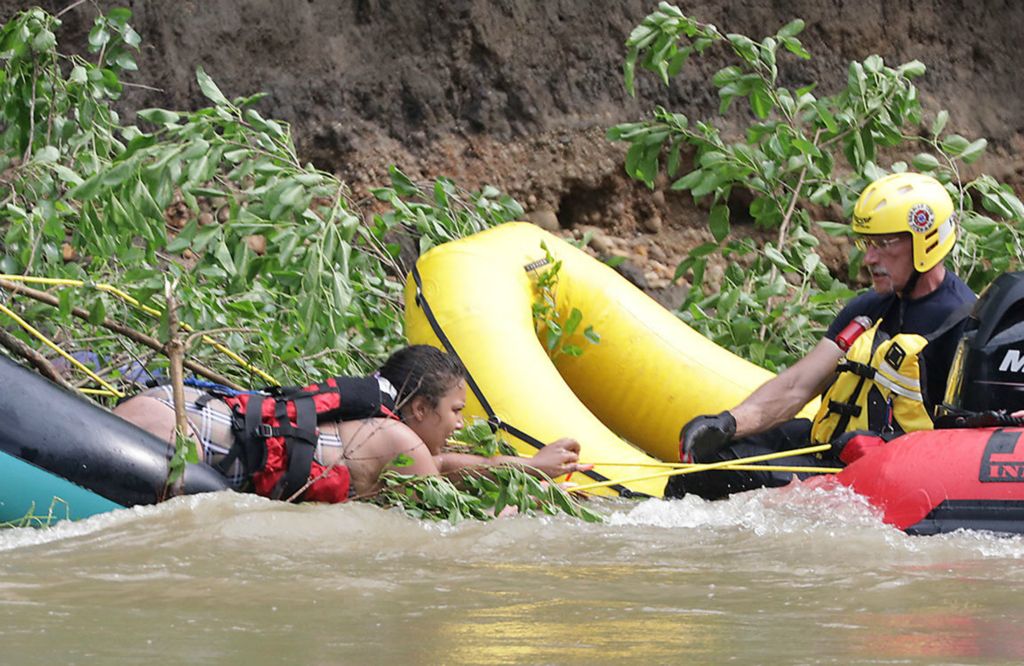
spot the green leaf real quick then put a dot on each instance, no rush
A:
(744, 47)
(67, 175)
(184, 237)
(573, 322)
(210, 89)
(711, 157)
(131, 38)
(224, 257)
(77, 75)
(973, 150)
(912, 69)
(954, 144)
(641, 163)
(126, 62)
(673, 159)
(791, 29)
(1013, 203)
(110, 81)
(796, 48)
(776, 258)
(822, 195)
(939, 124)
(117, 174)
(97, 312)
(978, 224)
(761, 102)
(709, 182)
(402, 460)
(47, 154)
(718, 221)
(629, 72)
(292, 195)
(703, 250)
(207, 192)
(119, 15)
(811, 261)
(806, 147)
(868, 144)
(726, 75)
(158, 116)
(88, 189)
(925, 162)
(66, 301)
(43, 41)
(553, 336)
(341, 291)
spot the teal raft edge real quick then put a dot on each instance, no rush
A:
(32, 496)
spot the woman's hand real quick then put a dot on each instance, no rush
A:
(558, 458)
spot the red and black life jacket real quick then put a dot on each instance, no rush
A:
(275, 434)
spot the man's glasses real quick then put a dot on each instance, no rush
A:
(862, 243)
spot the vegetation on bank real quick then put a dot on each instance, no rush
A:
(203, 234)
(798, 162)
(265, 250)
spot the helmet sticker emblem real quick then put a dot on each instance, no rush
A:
(921, 218)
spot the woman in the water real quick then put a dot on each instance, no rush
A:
(431, 391)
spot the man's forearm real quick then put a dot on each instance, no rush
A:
(767, 407)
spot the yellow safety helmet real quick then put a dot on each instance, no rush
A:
(913, 202)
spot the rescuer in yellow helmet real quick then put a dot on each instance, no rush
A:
(881, 365)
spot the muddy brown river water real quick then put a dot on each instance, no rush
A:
(800, 577)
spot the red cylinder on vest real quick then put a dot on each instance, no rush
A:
(857, 325)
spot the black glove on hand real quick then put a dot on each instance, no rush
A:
(853, 445)
(705, 435)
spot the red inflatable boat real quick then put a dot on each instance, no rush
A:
(937, 481)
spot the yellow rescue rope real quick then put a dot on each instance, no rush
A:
(108, 389)
(130, 300)
(702, 467)
(742, 468)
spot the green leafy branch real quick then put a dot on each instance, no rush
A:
(802, 157)
(480, 495)
(444, 212)
(479, 438)
(262, 246)
(554, 328)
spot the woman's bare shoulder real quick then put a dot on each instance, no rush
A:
(364, 429)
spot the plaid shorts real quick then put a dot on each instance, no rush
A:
(211, 425)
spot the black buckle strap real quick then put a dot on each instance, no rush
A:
(300, 444)
(860, 369)
(248, 440)
(844, 419)
(844, 409)
(254, 455)
(203, 400)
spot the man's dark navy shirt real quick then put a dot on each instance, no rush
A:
(921, 316)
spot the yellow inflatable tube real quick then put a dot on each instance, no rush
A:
(649, 374)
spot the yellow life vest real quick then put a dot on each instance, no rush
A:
(878, 388)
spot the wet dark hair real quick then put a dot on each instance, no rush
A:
(422, 370)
